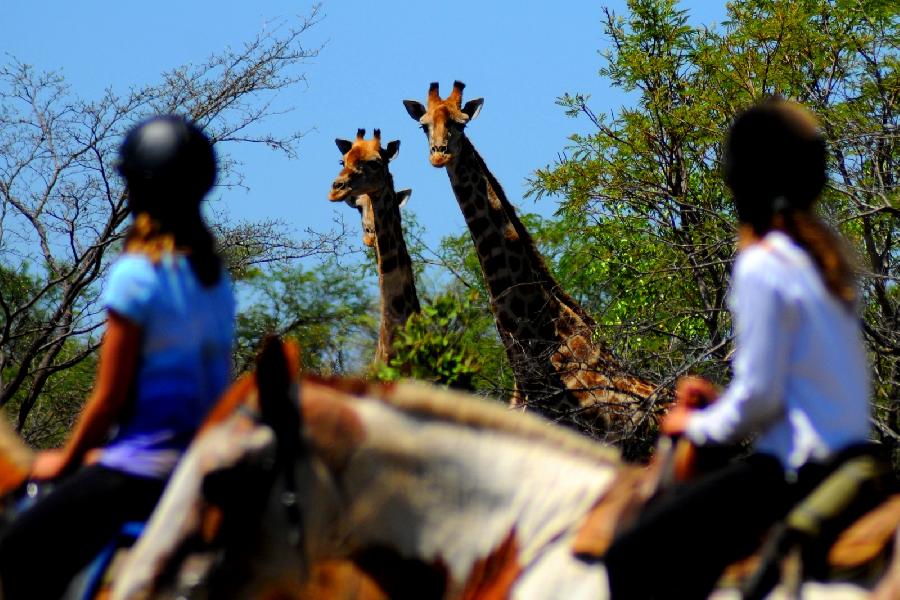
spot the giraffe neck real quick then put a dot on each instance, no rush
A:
(395, 275)
(559, 367)
(505, 248)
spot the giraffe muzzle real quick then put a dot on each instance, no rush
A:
(339, 190)
(440, 159)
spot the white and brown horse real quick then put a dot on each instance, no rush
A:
(430, 494)
(400, 491)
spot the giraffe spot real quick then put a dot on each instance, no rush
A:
(399, 303)
(388, 264)
(537, 306)
(500, 284)
(404, 261)
(495, 263)
(487, 243)
(507, 320)
(527, 332)
(478, 226)
(517, 306)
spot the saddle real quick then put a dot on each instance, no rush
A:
(839, 530)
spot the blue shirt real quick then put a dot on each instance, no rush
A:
(801, 380)
(184, 360)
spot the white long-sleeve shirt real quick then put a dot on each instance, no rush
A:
(800, 373)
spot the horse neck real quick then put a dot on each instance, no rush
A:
(416, 485)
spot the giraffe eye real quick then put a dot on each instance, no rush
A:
(340, 162)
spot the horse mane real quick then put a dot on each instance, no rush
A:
(436, 403)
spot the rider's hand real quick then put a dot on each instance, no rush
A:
(695, 392)
(676, 420)
(691, 393)
(49, 464)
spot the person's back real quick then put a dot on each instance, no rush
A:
(826, 388)
(185, 357)
(801, 378)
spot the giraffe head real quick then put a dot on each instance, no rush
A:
(365, 166)
(363, 204)
(443, 121)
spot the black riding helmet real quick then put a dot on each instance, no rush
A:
(774, 161)
(168, 163)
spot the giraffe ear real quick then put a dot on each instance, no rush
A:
(472, 108)
(415, 109)
(392, 150)
(403, 197)
(343, 145)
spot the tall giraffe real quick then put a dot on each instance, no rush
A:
(366, 183)
(558, 366)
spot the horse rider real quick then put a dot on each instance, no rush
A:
(164, 360)
(800, 381)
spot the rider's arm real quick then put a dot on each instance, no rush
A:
(115, 372)
(763, 319)
(129, 293)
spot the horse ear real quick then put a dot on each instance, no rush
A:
(472, 108)
(276, 368)
(403, 197)
(415, 109)
(392, 150)
(343, 145)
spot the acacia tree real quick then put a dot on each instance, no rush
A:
(643, 192)
(328, 309)
(62, 209)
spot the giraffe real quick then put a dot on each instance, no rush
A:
(366, 184)
(558, 366)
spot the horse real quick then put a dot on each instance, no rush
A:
(402, 490)
(308, 487)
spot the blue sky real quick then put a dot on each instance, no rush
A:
(375, 55)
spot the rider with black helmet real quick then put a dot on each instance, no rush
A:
(164, 360)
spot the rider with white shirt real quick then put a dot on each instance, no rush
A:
(800, 380)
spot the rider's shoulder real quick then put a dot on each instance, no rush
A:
(771, 257)
(133, 265)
